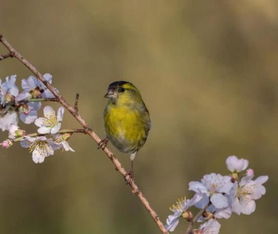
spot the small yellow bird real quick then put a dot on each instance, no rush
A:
(127, 120)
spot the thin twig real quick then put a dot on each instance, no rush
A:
(76, 102)
(4, 56)
(17, 104)
(63, 131)
(42, 100)
(118, 166)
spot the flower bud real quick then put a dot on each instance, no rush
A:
(187, 215)
(36, 92)
(6, 143)
(250, 172)
(208, 215)
(9, 98)
(24, 108)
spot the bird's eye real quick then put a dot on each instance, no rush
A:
(120, 89)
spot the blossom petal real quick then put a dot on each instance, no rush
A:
(60, 113)
(44, 130)
(56, 128)
(14, 91)
(48, 112)
(66, 146)
(48, 77)
(28, 118)
(32, 83)
(171, 223)
(8, 120)
(34, 105)
(22, 96)
(47, 94)
(37, 157)
(226, 185)
(203, 202)
(219, 201)
(247, 206)
(39, 122)
(223, 213)
(235, 164)
(261, 179)
(257, 192)
(24, 84)
(236, 206)
(25, 143)
(197, 187)
(210, 227)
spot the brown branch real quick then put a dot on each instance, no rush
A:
(4, 56)
(63, 131)
(76, 102)
(36, 100)
(118, 166)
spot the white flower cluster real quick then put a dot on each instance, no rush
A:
(25, 105)
(219, 196)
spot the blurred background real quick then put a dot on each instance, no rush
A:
(208, 73)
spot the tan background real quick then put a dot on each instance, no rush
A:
(208, 73)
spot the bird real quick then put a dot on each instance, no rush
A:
(126, 119)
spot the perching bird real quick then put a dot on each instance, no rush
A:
(126, 118)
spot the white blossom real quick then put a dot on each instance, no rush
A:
(8, 90)
(213, 188)
(29, 113)
(7, 120)
(235, 164)
(244, 194)
(35, 88)
(41, 147)
(178, 209)
(50, 123)
(219, 196)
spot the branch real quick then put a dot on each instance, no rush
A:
(73, 111)
(64, 131)
(76, 102)
(41, 100)
(18, 104)
(4, 56)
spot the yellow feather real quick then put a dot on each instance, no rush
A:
(127, 121)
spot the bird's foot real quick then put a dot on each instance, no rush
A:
(103, 143)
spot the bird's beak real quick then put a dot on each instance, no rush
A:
(110, 94)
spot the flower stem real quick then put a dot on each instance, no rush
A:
(189, 229)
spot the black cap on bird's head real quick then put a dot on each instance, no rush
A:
(118, 87)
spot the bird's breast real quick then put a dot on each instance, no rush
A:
(125, 127)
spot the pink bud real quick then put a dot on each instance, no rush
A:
(6, 144)
(250, 172)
